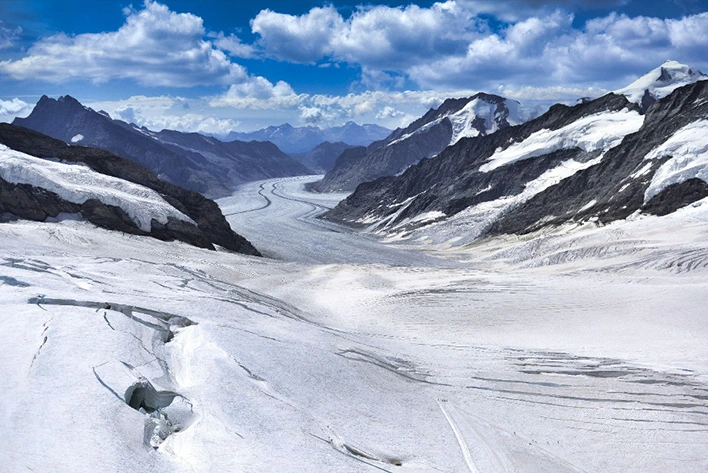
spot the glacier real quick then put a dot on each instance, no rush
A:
(569, 351)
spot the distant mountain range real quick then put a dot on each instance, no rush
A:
(455, 119)
(323, 156)
(294, 140)
(44, 178)
(599, 161)
(196, 162)
(471, 168)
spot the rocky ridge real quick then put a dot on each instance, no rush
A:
(520, 180)
(196, 162)
(35, 203)
(455, 119)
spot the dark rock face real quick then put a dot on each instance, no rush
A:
(236, 161)
(37, 204)
(424, 138)
(605, 181)
(32, 203)
(384, 159)
(192, 161)
(676, 196)
(323, 156)
(452, 181)
(647, 101)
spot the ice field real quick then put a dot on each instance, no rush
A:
(581, 350)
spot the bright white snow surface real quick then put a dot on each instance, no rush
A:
(77, 138)
(677, 75)
(688, 149)
(570, 352)
(78, 183)
(463, 119)
(600, 131)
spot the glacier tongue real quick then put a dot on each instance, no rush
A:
(545, 355)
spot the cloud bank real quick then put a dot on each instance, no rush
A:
(155, 47)
(449, 45)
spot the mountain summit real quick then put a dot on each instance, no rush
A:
(660, 82)
(454, 119)
(296, 140)
(196, 162)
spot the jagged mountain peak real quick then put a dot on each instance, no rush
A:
(297, 140)
(64, 103)
(479, 114)
(660, 82)
(598, 161)
(186, 159)
(68, 99)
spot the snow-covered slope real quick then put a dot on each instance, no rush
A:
(42, 178)
(687, 150)
(479, 115)
(598, 161)
(78, 183)
(600, 131)
(660, 82)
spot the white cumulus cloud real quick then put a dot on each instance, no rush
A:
(548, 52)
(10, 109)
(165, 112)
(305, 38)
(155, 47)
(258, 93)
(379, 36)
(14, 106)
(452, 45)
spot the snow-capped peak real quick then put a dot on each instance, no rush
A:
(480, 114)
(660, 82)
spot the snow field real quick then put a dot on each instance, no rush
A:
(688, 148)
(573, 352)
(600, 131)
(78, 183)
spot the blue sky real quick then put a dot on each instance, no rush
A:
(218, 65)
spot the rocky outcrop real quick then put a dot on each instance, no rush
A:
(33, 203)
(609, 184)
(676, 196)
(478, 115)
